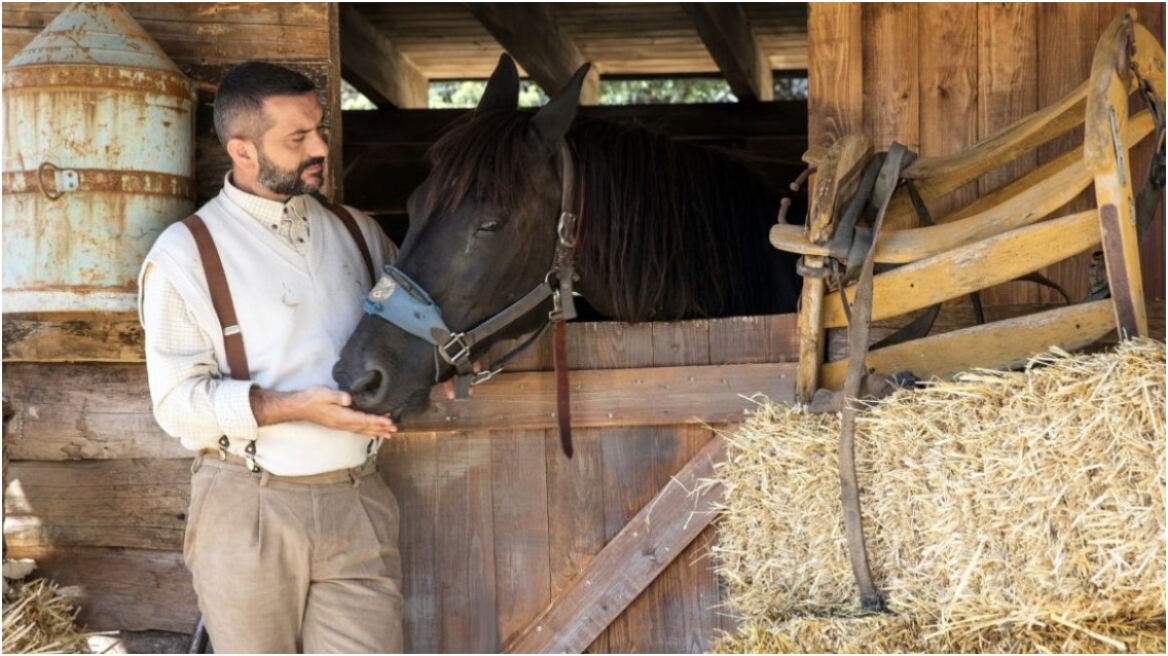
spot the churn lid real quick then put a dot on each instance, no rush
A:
(94, 33)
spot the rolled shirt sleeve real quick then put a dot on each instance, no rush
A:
(192, 399)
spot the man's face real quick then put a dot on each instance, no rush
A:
(292, 152)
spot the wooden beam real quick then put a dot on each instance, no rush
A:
(1001, 344)
(529, 32)
(103, 411)
(725, 29)
(120, 589)
(629, 563)
(972, 267)
(703, 121)
(108, 337)
(83, 411)
(612, 397)
(139, 503)
(372, 64)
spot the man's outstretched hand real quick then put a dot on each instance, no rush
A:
(320, 405)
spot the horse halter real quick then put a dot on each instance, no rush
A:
(404, 303)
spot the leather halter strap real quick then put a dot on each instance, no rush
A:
(455, 347)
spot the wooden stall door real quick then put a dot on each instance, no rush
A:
(496, 523)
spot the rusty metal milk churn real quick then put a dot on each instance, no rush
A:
(98, 159)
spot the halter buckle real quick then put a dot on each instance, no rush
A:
(456, 340)
(566, 229)
(557, 311)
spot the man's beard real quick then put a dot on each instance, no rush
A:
(288, 182)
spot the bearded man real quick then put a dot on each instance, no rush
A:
(291, 536)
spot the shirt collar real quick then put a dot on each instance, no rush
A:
(267, 212)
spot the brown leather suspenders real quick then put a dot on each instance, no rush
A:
(221, 291)
(351, 226)
(220, 298)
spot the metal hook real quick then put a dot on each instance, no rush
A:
(803, 177)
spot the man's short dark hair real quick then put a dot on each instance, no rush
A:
(239, 103)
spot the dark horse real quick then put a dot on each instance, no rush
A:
(667, 231)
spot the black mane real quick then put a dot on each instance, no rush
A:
(669, 229)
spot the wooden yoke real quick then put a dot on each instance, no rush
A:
(1002, 235)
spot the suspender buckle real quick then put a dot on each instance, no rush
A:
(249, 457)
(223, 444)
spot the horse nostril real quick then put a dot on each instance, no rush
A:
(370, 382)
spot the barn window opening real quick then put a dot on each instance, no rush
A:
(684, 90)
(791, 86)
(351, 98)
(464, 94)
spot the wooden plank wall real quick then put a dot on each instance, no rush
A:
(100, 499)
(494, 522)
(940, 76)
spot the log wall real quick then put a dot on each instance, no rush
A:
(938, 77)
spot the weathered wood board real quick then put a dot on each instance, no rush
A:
(941, 77)
(496, 522)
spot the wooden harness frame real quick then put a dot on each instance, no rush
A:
(998, 237)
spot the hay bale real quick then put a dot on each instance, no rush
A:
(998, 501)
(39, 620)
(907, 634)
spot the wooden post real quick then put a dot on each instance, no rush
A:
(1103, 148)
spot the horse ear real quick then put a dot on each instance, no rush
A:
(552, 121)
(502, 90)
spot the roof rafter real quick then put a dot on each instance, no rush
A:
(372, 64)
(529, 32)
(725, 29)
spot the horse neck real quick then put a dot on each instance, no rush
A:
(655, 244)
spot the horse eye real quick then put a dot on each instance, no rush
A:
(491, 225)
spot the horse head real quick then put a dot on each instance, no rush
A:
(482, 235)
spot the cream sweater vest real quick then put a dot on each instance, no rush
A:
(296, 313)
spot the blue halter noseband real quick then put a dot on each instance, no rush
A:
(402, 302)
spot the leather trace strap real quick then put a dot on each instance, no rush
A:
(859, 321)
(351, 225)
(220, 298)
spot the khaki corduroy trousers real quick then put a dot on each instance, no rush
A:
(295, 564)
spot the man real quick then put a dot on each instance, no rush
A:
(291, 536)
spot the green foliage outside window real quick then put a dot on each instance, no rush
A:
(466, 93)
